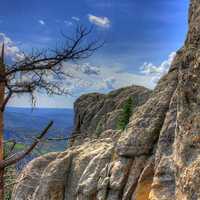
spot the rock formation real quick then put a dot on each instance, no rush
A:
(156, 158)
(95, 113)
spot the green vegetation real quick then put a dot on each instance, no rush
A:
(127, 111)
(99, 128)
(10, 179)
(9, 175)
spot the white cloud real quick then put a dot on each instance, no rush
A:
(86, 78)
(156, 72)
(68, 23)
(11, 50)
(89, 70)
(103, 22)
(42, 22)
(89, 78)
(76, 18)
(114, 78)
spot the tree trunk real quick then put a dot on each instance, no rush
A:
(2, 93)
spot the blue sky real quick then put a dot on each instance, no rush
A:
(140, 35)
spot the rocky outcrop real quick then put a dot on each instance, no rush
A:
(155, 158)
(95, 113)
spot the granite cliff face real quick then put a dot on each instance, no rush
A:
(96, 113)
(155, 158)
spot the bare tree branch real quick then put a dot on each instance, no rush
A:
(11, 148)
(76, 50)
(20, 155)
(32, 73)
(43, 71)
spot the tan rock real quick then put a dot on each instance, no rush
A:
(145, 181)
(30, 177)
(65, 175)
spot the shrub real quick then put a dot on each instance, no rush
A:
(99, 128)
(124, 117)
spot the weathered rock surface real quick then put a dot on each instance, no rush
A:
(57, 175)
(95, 113)
(156, 158)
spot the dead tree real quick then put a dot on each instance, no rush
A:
(30, 75)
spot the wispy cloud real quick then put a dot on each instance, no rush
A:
(42, 22)
(157, 71)
(90, 78)
(11, 50)
(109, 78)
(76, 18)
(85, 78)
(103, 22)
(68, 23)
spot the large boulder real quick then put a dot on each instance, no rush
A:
(155, 158)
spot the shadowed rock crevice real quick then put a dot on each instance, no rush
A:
(155, 158)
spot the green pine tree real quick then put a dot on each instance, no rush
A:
(126, 114)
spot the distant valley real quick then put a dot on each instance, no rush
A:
(22, 124)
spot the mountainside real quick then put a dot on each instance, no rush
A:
(155, 158)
